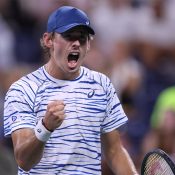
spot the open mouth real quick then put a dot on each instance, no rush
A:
(73, 56)
(72, 59)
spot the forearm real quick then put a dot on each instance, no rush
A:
(29, 143)
(28, 151)
(121, 163)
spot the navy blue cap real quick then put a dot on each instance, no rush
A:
(67, 17)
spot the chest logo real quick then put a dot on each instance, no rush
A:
(91, 93)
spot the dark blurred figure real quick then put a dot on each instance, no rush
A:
(27, 31)
(153, 44)
(7, 161)
(162, 132)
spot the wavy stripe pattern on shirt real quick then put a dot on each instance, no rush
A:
(92, 108)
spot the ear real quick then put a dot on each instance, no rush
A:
(88, 46)
(47, 40)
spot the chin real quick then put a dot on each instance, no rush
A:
(74, 72)
(74, 69)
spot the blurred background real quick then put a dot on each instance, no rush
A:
(134, 46)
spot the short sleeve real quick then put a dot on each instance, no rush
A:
(115, 115)
(18, 109)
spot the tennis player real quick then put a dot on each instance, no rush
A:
(60, 115)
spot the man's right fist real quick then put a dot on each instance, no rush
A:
(54, 115)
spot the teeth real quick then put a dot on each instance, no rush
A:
(74, 53)
(73, 56)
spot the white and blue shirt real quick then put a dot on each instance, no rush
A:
(92, 108)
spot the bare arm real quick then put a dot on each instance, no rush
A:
(116, 155)
(28, 149)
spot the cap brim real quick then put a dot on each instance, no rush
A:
(68, 27)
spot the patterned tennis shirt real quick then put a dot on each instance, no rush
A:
(92, 108)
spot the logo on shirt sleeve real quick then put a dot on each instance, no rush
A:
(14, 118)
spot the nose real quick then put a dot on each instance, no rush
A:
(76, 43)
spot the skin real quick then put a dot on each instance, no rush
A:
(28, 149)
(116, 155)
(60, 49)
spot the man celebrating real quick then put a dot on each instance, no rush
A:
(61, 115)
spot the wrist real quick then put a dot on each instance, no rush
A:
(46, 126)
(41, 132)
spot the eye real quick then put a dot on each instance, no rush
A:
(80, 36)
(66, 36)
(83, 39)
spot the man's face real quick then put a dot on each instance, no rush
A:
(69, 49)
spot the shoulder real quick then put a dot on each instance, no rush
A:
(28, 83)
(98, 77)
(166, 97)
(168, 92)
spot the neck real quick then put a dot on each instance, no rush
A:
(57, 73)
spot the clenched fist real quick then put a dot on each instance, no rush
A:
(55, 115)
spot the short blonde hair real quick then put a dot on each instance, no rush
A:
(46, 50)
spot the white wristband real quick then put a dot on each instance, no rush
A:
(41, 132)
